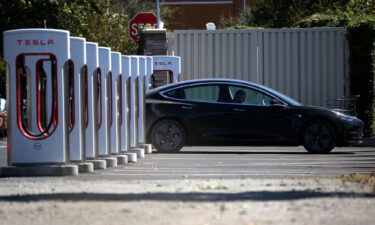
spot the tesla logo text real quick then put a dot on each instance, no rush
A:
(35, 42)
(163, 63)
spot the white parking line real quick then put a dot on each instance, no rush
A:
(257, 173)
(294, 164)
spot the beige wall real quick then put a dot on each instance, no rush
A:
(308, 64)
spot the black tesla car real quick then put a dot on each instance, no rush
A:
(233, 112)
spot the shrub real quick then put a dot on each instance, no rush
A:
(361, 37)
(360, 32)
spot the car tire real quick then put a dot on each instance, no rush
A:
(319, 137)
(168, 136)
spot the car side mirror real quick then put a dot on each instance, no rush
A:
(277, 103)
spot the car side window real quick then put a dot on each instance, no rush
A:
(207, 93)
(248, 96)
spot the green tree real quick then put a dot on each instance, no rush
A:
(101, 21)
(282, 13)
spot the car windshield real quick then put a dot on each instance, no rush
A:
(282, 96)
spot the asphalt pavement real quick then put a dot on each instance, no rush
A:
(244, 162)
(218, 185)
(237, 163)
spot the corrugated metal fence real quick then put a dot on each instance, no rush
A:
(310, 65)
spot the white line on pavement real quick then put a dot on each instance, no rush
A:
(258, 173)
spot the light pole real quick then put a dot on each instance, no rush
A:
(243, 8)
(158, 13)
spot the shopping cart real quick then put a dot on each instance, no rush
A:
(346, 104)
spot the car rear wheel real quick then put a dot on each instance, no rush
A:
(319, 137)
(168, 136)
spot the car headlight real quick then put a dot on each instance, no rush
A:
(344, 116)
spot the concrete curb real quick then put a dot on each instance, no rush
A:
(139, 151)
(39, 170)
(147, 148)
(98, 164)
(132, 157)
(85, 167)
(122, 159)
(111, 162)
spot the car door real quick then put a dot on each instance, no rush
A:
(255, 117)
(203, 109)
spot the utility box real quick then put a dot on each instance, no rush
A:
(155, 42)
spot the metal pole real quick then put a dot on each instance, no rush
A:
(158, 12)
(244, 8)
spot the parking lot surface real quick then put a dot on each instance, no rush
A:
(202, 185)
(238, 162)
(244, 162)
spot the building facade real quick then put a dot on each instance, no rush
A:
(194, 14)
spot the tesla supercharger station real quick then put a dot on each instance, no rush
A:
(77, 81)
(134, 61)
(145, 70)
(150, 71)
(172, 64)
(134, 106)
(125, 104)
(115, 106)
(93, 97)
(141, 105)
(105, 99)
(38, 127)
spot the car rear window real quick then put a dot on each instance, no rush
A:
(209, 93)
(202, 93)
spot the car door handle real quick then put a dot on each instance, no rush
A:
(186, 107)
(239, 110)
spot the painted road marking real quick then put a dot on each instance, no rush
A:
(233, 175)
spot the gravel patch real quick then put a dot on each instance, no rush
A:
(216, 201)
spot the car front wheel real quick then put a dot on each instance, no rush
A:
(168, 136)
(319, 137)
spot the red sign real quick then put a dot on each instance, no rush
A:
(141, 19)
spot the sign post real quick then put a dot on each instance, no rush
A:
(140, 19)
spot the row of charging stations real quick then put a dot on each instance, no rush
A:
(71, 100)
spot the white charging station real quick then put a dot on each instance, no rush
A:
(70, 100)
(93, 71)
(141, 105)
(105, 99)
(150, 70)
(38, 127)
(116, 94)
(77, 81)
(133, 107)
(125, 103)
(172, 64)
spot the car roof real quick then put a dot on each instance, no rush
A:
(232, 81)
(186, 82)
